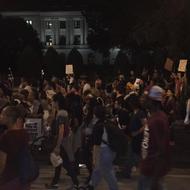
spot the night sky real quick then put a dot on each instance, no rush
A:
(13, 5)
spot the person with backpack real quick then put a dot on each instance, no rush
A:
(12, 142)
(103, 156)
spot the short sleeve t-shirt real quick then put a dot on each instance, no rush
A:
(63, 118)
(135, 125)
(11, 142)
(97, 133)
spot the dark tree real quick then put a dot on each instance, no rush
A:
(16, 35)
(75, 58)
(158, 24)
(50, 62)
(29, 63)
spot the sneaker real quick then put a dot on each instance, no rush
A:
(51, 186)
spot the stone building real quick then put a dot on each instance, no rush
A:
(64, 30)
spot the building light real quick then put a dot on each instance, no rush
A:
(29, 22)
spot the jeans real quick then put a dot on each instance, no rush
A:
(146, 183)
(68, 167)
(105, 169)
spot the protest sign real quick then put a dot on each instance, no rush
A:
(69, 69)
(182, 65)
(34, 128)
(169, 65)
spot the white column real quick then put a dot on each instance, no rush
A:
(85, 32)
(67, 32)
(82, 31)
(42, 30)
(57, 31)
(71, 33)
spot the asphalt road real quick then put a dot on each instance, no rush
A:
(177, 179)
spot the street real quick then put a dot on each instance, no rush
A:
(177, 179)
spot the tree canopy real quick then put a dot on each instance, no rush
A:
(16, 35)
(144, 24)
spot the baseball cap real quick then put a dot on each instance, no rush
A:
(156, 93)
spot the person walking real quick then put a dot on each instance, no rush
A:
(103, 156)
(155, 161)
(11, 142)
(63, 145)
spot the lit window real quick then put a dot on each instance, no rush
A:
(49, 25)
(77, 40)
(62, 24)
(49, 40)
(29, 22)
(76, 23)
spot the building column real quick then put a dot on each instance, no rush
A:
(42, 30)
(57, 32)
(82, 31)
(85, 32)
(71, 32)
(67, 32)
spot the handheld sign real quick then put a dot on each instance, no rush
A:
(34, 128)
(182, 65)
(169, 64)
(69, 69)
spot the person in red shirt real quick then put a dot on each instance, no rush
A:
(11, 141)
(155, 161)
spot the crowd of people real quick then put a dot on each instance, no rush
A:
(74, 112)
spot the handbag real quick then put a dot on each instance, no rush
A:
(56, 160)
(28, 168)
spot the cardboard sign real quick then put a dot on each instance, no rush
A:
(169, 65)
(69, 69)
(50, 94)
(182, 65)
(34, 128)
(137, 81)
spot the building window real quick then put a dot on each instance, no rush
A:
(29, 22)
(77, 40)
(48, 25)
(76, 23)
(62, 40)
(62, 24)
(49, 40)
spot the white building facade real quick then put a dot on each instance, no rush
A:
(62, 30)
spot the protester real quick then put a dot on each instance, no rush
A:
(11, 142)
(155, 162)
(73, 112)
(136, 129)
(187, 117)
(103, 156)
(63, 146)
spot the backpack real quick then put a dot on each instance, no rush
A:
(117, 140)
(28, 169)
